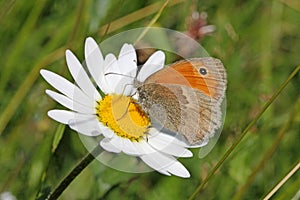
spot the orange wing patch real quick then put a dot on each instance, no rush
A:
(185, 73)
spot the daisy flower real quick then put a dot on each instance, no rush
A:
(115, 113)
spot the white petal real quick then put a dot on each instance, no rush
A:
(112, 72)
(130, 92)
(127, 60)
(179, 170)
(162, 162)
(129, 148)
(153, 132)
(107, 132)
(136, 148)
(165, 172)
(157, 160)
(152, 65)
(125, 86)
(117, 142)
(62, 116)
(80, 76)
(95, 63)
(86, 125)
(144, 148)
(67, 88)
(108, 146)
(69, 103)
(168, 147)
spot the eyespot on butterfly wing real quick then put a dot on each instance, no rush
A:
(204, 74)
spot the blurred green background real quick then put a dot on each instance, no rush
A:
(259, 44)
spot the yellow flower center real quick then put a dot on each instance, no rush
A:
(124, 116)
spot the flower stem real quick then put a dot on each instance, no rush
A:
(74, 173)
(243, 134)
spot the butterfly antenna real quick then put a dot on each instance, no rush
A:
(114, 73)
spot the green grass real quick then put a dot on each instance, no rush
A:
(259, 44)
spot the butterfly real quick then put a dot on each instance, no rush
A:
(185, 97)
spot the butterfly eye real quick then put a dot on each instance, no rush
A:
(203, 71)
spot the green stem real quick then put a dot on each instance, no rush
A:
(243, 134)
(74, 173)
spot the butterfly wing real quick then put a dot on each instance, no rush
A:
(185, 97)
(182, 110)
